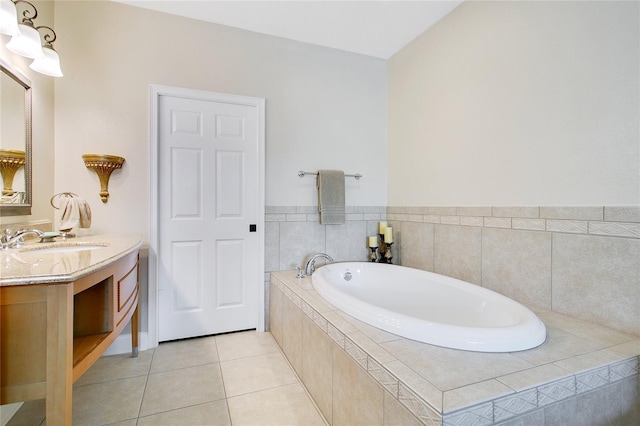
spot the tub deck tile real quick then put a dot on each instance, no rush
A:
(578, 357)
(527, 379)
(589, 361)
(371, 348)
(375, 334)
(560, 345)
(473, 394)
(462, 367)
(584, 329)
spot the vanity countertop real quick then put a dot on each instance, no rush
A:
(31, 264)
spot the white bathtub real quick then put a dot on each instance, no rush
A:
(429, 307)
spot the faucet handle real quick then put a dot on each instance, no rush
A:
(300, 274)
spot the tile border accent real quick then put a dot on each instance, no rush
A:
(528, 400)
(310, 213)
(602, 221)
(485, 413)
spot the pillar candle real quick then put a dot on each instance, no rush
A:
(381, 227)
(373, 241)
(388, 235)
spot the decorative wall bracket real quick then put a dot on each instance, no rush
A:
(10, 162)
(103, 165)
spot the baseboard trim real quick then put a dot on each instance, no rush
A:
(122, 344)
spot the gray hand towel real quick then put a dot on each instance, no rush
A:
(331, 197)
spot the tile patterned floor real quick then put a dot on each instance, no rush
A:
(231, 379)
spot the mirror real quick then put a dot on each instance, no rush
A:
(15, 141)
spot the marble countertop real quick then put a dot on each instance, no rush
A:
(30, 264)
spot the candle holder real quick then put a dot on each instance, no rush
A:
(385, 251)
(373, 257)
(387, 254)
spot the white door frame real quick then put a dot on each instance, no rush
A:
(259, 103)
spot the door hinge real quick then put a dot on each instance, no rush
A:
(252, 227)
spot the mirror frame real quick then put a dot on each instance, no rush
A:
(22, 208)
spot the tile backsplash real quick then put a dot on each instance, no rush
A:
(579, 261)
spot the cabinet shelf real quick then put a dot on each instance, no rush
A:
(84, 345)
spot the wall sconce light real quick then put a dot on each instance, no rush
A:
(25, 37)
(103, 165)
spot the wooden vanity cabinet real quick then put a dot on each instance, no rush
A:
(50, 334)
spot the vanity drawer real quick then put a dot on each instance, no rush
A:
(127, 288)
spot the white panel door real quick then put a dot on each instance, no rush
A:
(207, 186)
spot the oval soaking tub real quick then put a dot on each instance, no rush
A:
(428, 307)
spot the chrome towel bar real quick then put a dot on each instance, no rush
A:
(301, 174)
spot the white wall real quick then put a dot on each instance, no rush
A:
(325, 108)
(518, 103)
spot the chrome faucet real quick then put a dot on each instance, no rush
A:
(16, 240)
(310, 267)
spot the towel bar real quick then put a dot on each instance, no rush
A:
(301, 174)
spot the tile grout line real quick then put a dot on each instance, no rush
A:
(224, 387)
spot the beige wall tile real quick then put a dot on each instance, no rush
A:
(416, 246)
(572, 213)
(396, 414)
(442, 210)
(271, 246)
(568, 226)
(420, 210)
(458, 251)
(517, 264)
(474, 211)
(528, 224)
(598, 279)
(472, 220)
(357, 398)
(298, 240)
(396, 209)
(615, 229)
(292, 333)
(622, 214)
(521, 212)
(275, 313)
(497, 222)
(347, 242)
(317, 366)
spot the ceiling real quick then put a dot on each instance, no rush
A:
(373, 28)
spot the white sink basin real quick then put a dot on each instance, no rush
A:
(65, 248)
